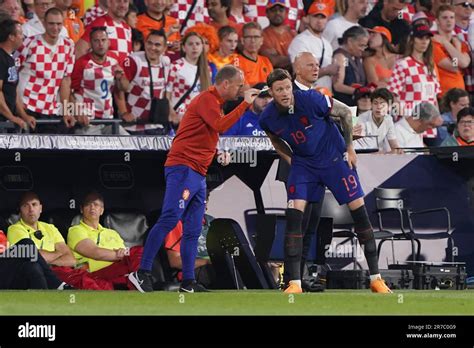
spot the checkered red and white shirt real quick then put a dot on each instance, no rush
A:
(408, 12)
(257, 10)
(43, 67)
(92, 14)
(92, 84)
(137, 72)
(181, 8)
(468, 73)
(412, 82)
(180, 80)
(241, 20)
(119, 33)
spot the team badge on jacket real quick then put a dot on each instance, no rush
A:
(304, 120)
(186, 194)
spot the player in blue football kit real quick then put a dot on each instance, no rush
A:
(319, 156)
(247, 125)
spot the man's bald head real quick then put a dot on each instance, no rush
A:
(306, 68)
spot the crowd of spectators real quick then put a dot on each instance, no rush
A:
(67, 69)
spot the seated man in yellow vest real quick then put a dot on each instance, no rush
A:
(101, 250)
(50, 243)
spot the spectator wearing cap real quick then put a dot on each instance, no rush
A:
(379, 64)
(311, 40)
(409, 130)
(362, 99)
(352, 11)
(351, 69)
(387, 16)
(423, 9)
(464, 135)
(414, 79)
(453, 101)
(376, 125)
(255, 67)
(257, 11)
(277, 36)
(248, 124)
(421, 18)
(450, 54)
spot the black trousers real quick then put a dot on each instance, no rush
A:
(23, 273)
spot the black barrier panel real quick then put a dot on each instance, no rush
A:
(16, 178)
(116, 176)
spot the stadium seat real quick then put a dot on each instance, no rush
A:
(232, 258)
(390, 200)
(261, 233)
(131, 226)
(62, 219)
(342, 225)
(8, 218)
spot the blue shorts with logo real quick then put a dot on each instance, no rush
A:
(308, 183)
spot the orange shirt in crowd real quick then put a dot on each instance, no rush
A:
(255, 71)
(74, 26)
(463, 142)
(278, 41)
(220, 61)
(447, 79)
(145, 24)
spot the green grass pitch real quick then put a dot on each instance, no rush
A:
(247, 302)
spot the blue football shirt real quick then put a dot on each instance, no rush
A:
(309, 131)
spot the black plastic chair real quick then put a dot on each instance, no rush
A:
(392, 200)
(342, 223)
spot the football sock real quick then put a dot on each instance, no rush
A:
(297, 282)
(311, 218)
(375, 277)
(293, 243)
(365, 235)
